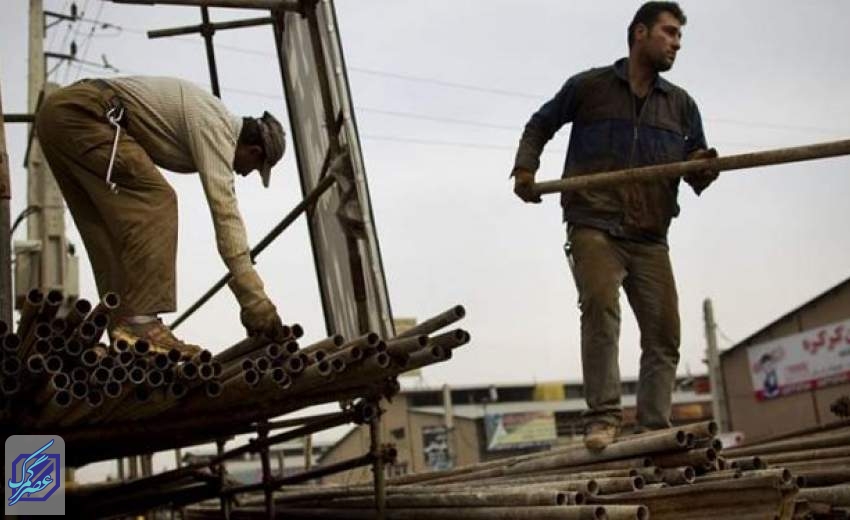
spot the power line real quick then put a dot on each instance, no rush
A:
(454, 144)
(474, 88)
(89, 38)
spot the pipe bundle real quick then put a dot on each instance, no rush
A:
(682, 472)
(120, 399)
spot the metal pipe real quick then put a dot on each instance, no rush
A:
(77, 313)
(207, 31)
(439, 321)
(473, 513)
(19, 118)
(242, 348)
(321, 471)
(285, 5)
(322, 186)
(687, 458)
(332, 343)
(378, 477)
(460, 499)
(802, 455)
(678, 476)
(108, 304)
(32, 304)
(218, 26)
(451, 339)
(679, 169)
(831, 439)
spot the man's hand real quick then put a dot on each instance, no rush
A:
(524, 186)
(258, 314)
(261, 317)
(700, 180)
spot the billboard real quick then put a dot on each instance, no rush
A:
(805, 361)
(435, 448)
(342, 230)
(510, 431)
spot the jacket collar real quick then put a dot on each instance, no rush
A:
(621, 69)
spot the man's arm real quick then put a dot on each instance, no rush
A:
(213, 146)
(696, 148)
(554, 114)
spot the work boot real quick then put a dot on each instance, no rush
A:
(156, 333)
(598, 435)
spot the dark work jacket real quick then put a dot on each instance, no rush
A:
(609, 134)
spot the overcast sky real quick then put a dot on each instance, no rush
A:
(442, 90)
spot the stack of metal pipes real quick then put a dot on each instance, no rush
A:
(272, 378)
(57, 373)
(674, 473)
(820, 463)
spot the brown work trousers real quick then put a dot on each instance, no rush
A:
(601, 264)
(131, 235)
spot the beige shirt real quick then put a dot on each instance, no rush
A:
(185, 129)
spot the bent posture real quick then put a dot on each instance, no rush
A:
(104, 140)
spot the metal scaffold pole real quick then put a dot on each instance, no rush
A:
(5, 237)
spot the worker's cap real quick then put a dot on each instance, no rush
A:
(274, 144)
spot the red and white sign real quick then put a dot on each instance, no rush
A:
(812, 359)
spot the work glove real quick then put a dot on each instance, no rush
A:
(700, 180)
(524, 186)
(258, 314)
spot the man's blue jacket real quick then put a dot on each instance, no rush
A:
(609, 133)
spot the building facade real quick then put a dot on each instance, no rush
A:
(784, 377)
(490, 422)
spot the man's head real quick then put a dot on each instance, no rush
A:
(655, 33)
(261, 144)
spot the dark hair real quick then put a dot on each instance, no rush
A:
(648, 15)
(250, 134)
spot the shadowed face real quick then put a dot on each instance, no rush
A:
(248, 157)
(659, 45)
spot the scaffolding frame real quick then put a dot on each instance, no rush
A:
(370, 310)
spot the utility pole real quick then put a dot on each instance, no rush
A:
(715, 374)
(5, 240)
(43, 260)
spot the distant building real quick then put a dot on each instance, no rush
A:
(784, 377)
(490, 422)
(286, 459)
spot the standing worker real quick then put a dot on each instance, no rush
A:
(104, 140)
(624, 115)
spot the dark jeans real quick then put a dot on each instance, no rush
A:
(130, 236)
(601, 264)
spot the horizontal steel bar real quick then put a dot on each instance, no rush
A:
(199, 28)
(287, 5)
(18, 118)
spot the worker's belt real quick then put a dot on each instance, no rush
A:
(115, 110)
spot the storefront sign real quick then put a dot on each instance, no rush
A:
(520, 430)
(812, 359)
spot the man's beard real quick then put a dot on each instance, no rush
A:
(662, 65)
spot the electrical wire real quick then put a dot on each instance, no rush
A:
(29, 210)
(88, 40)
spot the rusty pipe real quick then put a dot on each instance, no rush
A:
(77, 313)
(679, 169)
(678, 476)
(32, 305)
(444, 319)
